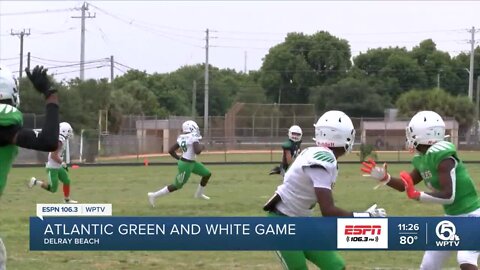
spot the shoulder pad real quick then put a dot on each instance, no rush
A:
(321, 156)
(441, 147)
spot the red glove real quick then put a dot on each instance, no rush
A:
(412, 193)
(378, 173)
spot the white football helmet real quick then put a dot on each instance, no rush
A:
(190, 127)
(295, 133)
(426, 127)
(335, 129)
(8, 86)
(66, 130)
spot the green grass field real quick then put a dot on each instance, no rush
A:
(236, 190)
(274, 156)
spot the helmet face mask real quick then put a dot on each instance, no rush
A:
(295, 133)
(425, 127)
(8, 87)
(190, 127)
(66, 130)
(335, 129)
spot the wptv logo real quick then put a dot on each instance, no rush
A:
(447, 233)
(362, 233)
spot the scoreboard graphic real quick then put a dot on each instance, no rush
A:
(91, 227)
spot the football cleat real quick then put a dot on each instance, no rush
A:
(202, 196)
(151, 199)
(69, 201)
(275, 170)
(31, 183)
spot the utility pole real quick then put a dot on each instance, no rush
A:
(111, 68)
(477, 109)
(82, 38)
(205, 112)
(194, 98)
(21, 35)
(471, 70)
(28, 60)
(245, 64)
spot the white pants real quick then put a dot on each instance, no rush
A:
(3, 256)
(434, 259)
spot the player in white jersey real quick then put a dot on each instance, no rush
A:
(56, 167)
(310, 180)
(189, 143)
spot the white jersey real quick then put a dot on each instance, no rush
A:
(185, 141)
(52, 164)
(299, 183)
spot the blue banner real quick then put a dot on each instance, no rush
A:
(253, 233)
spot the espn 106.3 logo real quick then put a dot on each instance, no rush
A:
(362, 233)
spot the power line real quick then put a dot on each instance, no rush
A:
(37, 12)
(8, 59)
(162, 33)
(76, 64)
(119, 69)
(59, 61)
(131, 21)
(125, 66)
(87, 68)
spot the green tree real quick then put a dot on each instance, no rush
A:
(437, 65)
(302, 61)
(353, 96)
(438, 100)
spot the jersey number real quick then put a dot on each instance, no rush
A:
(183, 145)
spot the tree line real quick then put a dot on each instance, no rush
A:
(316, 68)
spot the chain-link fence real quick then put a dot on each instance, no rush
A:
(247, 127)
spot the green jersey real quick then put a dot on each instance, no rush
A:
(466, 198)
(9, 116)
(294, 147)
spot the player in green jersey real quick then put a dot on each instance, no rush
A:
(436, 163)
(290, 150)
(12, 132)
(189, 143)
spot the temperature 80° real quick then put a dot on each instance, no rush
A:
(408, 239)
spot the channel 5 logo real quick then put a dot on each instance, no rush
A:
(447, 233)
(362, 233)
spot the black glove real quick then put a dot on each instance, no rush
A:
(40, 80)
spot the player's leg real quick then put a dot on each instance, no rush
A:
(50, 185)
(200, 169)
(292, 260)
(330, 260)
(3, 181)
(468, 260)
(63, 177)
(275, 170)
(183, 174)
(434, 259)
(3, 256)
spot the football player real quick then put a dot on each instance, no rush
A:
(291, 148)
(437, 164)
(57, 168)
(310, 180)
(189, 143)
(12, 132)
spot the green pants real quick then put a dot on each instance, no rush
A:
(54, 175)
(297, 260)
(185, 169)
